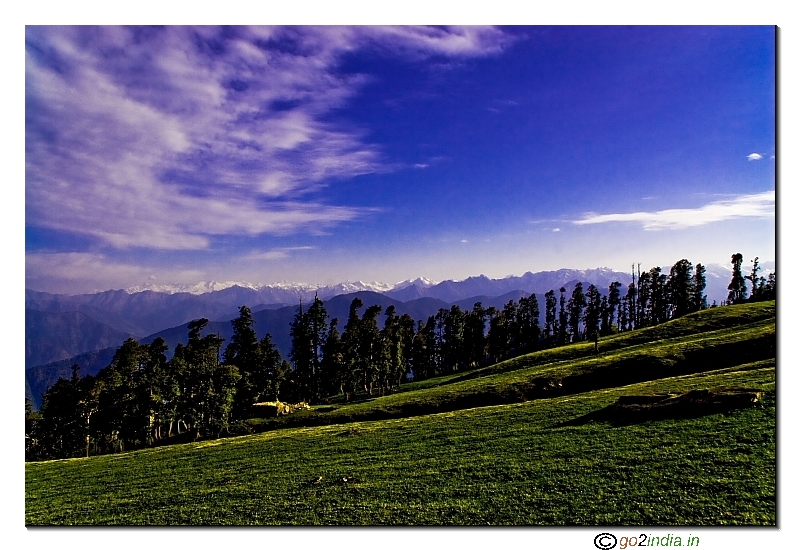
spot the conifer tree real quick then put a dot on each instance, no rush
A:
(737, 291)
(592, 316)
(550, 319)
(576, 305)
(680, 289)
(699, 300)
(528, 324)
(754, 280)
(562, 318)
(614, 301)
(475, 335)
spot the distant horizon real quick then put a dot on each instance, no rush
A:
(767, 267)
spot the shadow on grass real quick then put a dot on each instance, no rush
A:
(637, 409)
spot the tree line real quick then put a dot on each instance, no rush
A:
(143, 398)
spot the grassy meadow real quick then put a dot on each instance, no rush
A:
(486, 447)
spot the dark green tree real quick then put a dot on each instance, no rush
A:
(659, 304)
(528, 330)
(644, 315)
(333, 364)
(423, 362)
(372, 358)
(575, 306)
(699, 300)
(353, 370)
(563, 323)
(613, 307)
(756, 284)
(771, 288)
(737, 290)
(453, 348)
(593, 314)
(308, 332)
(628, 314)
(475, 335)
(606, 316)
(680, 289)
(550, 319)
(243, 352)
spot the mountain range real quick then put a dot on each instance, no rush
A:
(62, 330)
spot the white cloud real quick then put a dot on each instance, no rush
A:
(755, 156)
(165, 138)
(276, 253)
(760, 205)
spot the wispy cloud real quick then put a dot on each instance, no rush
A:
(760, 205)
(75, 272)
(276, 253)
(166, 138)
(755, 156)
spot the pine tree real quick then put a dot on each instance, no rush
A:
(351, 350)
(308, 331)
(475, 335)
(737, 289)
(771, 288)
(333, 361)
(528, 324)
(422, 363)
(606, 316)
(576, 305)
(630, 308)
(562, 318)
(680, 289)
(550, 319)
(754, 280)
(658, 297)
(593, 313)
(699, 300)
(243, 352)
(614, 301)
(371, 347)
(453, 324)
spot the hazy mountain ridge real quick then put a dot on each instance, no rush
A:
(532, 283)
(51, 337)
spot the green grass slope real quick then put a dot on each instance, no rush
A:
(504, 465)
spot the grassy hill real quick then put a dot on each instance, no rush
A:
(485, 447)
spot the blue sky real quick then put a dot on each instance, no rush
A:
(318, 155)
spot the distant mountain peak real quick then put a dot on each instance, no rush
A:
(197, 288)
(423, 282)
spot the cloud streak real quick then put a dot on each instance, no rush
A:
(276, 253)
(167, 138)
(760, 205)
(74, 272)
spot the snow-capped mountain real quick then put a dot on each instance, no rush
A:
(296, 288)
(197, 288)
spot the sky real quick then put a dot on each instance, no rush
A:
(177, 155)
